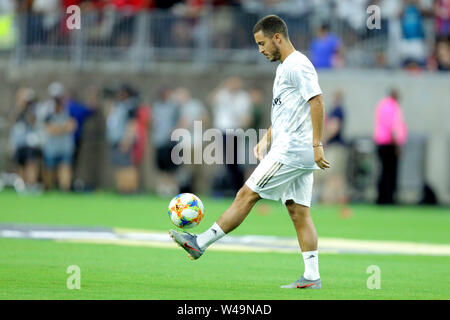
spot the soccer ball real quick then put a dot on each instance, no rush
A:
(186, 210)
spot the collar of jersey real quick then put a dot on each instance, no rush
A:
(293, 52)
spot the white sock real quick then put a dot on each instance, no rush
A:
(311, 259)
(209, 236)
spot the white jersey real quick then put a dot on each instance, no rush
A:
(295, 83)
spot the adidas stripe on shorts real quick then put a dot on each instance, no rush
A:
(274, 180)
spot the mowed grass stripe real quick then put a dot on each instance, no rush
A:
(367, 222)
(37, 270)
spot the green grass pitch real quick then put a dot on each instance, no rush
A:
(36, 269)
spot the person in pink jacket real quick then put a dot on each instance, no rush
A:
(390, 134)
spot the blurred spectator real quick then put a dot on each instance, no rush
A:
(59, 146)
(24, 138)
(258, 106)
(335, 182)
(92, 145)
(440, 60)
(326, 49)
(181, 33)
(8, 35)
(121, 137)
(144, 116)
(443, 54)
(232, 109)
(412, 46)
(353, 12)
(7, 6)
(222, 27)
(44, 20)
(442, 18)
(164, 24)
(186, 26)
(76, 108)
(44, 108)
(165, 119)
(335, 121)
(80, 112)
(125, 23)
(390, 134)
(191, 110)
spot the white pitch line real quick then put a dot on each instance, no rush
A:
(248, 243)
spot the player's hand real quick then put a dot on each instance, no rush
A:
(319, 158)
(256, 152)
(260, 149)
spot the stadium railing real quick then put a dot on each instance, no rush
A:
(146, 38)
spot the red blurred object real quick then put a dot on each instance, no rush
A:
(131, 5)
(143, 119)
(68, 3)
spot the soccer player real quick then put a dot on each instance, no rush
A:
(286, 171)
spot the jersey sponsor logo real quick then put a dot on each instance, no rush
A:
(276, 101)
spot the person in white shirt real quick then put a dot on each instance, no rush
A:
(286, 170)
(231, 105)
(189, 176)
(231, 109)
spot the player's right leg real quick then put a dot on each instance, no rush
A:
(297, 199)
(195, 245)
(267, 181)
(245, 199)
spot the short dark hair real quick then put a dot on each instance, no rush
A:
(270, 25)
(325, 26)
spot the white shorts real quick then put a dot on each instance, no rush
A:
(274, 180)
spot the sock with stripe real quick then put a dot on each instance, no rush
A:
(205, 239)
(311, 259)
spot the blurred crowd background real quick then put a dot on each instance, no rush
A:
(94, 108)
(412, 34)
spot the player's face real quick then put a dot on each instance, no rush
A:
(267, 46)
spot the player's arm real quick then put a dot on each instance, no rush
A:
(263, 145)
(317, 116)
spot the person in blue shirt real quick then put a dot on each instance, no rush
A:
(325, 49)
(412, 21)
(333, 184)
(413, 35)
(79, 111)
